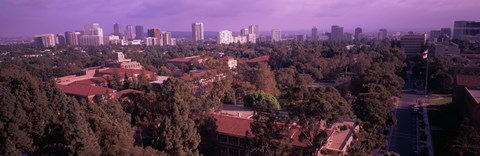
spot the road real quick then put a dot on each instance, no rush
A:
(403, 138)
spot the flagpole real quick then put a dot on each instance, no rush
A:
(426, 76)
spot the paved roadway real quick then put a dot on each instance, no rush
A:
(403, 138)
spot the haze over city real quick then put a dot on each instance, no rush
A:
(29, 17)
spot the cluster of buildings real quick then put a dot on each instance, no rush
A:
(93, 35)
(247, 35)
(91, 84)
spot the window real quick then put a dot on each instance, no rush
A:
(233, 140)
(222, 138)
(233, 152)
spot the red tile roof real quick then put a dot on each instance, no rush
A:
(84, 90)
(226, 58)
(121, 72)
(468, 80)
(259, 59)
(126, 91)
(92, 81)
(179, 60)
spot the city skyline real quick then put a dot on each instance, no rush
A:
(29, 17)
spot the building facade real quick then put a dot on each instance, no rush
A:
(276, 35)
(466, 30)
(197, 32)
(225, 37)
(45, 40)
(139, 32)
(413, 44)
(358, 33)
(129, 33)
(71, 38)
(314, 33)
(337, 33)
(156, 33)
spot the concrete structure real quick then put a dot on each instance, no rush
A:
(413, 44)
(167, 39)
(92, 35)
(382, 34)
(446, 31)
(240, 39)
(466, 30)
(129, 33)
(276, 35)
(225, 37)
(252, 38)
(358, 33)
(244, 32)
(231, 62)
(444, 48)
(139, 32)
(71, 38)
(301, 38)
(314, 33)
(116, 30)
(254, 29)
(348, 37)
(434, 34)
(337, 33)
(157, 34)
(118, 60)
(197, 32)
(151, 41)
(44, 40)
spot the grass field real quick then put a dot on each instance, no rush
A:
(446, 99)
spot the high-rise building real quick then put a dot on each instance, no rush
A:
(301, 38)
(60, 39)
(414, 44)
(139, 32)
(358, 33)
(151, 41)
(129, 33)
(240, 39)
(116, 29)
(252, 38)
(314, 33)
(92, 31)
(156, 33)
(337, 33)
(197, 32)
(225, 37)
(254, 29)
(446, 31)
(276, 35)
(434, 34)
(167, 38)
(382, 34)
(347, 36)
(466, 30)
(71, 38)
(44, 40)
(244, 32)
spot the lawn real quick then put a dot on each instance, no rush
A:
(446, 99)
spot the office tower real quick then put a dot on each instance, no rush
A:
(466, 30)
(276, 35)
(71, 38)
(197, 32)
(358, 33)
(44, 40)
(240, 39)
(347, 36)
(116, 29)
(156, 33)
(314, 33)
(337, 33)
(225, 37)
(434, 34)
(301, 38)
(414, 44)
(60, 39)
(113, 39)
(167, 38)
(252, 38)
(129, 33)
(151, 41)
(382, 34)
(244, 32)
(92, 31)
(446, 31)
(139, 32)
(254, 29)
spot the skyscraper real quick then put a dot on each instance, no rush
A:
(197, 32)
(314, 33)
(276, 35)
(139, 32)
(129, 33)
(44, 40)
(358, 32)
(60, 39)
(244, 32)
(156, 33)
(252, 38)
(254, 29)
(466, 30)
(116, 29)
(92, 31)
(301, 38)
(167, 38)
(446, 31)
(382, 34)
(71, 38)
(337, 33)
(225, 37)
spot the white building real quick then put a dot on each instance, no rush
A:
(276, 35)
(225, 37)
(252, 38)
(90, 40)
(93, 35)
(240, 39)
(44, 40)
(197, 32)
(151, 41)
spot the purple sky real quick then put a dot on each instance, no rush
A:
(28, 17)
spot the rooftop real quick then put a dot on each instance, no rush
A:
(475, 93)
(264, 58)
(237, 111)
(84, 90)
(468, 80)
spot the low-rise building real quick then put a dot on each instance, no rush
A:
(119, 61)
(87, 92)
